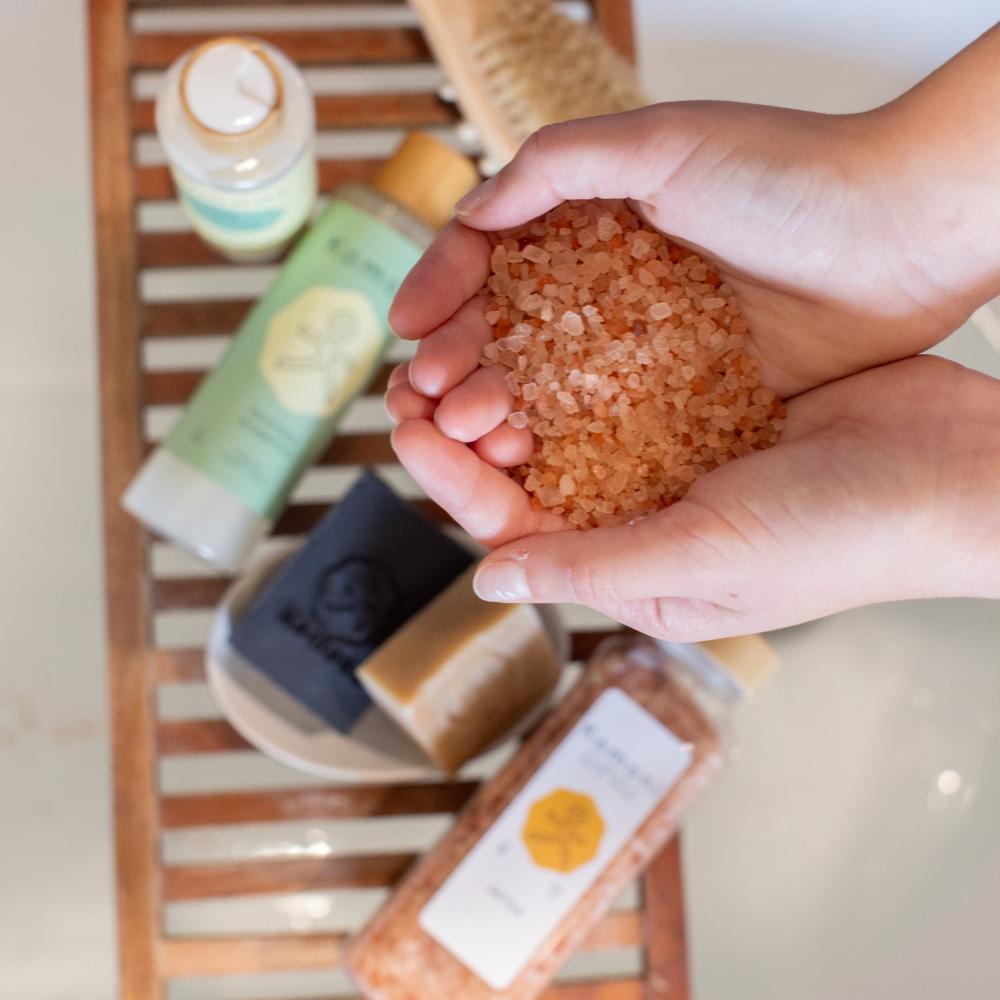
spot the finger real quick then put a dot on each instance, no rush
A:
(483, 500)
(401, 373)
(453, 268)
(505, 446)
(475, 407)
(403, 402)
(628, 155)
(452, 351)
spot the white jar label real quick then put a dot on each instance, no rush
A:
(252, 220)
(551, 843)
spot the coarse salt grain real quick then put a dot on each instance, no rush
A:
(662, 393)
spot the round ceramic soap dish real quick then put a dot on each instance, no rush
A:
(376, 750)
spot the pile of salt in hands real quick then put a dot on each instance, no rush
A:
(625, 356)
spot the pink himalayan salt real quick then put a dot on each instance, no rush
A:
(589, 300)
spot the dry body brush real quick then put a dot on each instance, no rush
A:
(626, 357)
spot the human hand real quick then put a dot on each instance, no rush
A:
(838, 263)
(861, 268)
(726, 178)
(882, 487)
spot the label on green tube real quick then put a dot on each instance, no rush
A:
(309, 346)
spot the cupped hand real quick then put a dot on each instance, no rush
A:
(802, 217)
(798, 212)
(838, 263)
(881, 488)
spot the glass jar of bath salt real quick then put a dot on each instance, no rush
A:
(237, 123)
(493, 911)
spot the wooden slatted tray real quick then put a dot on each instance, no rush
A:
(236, 877)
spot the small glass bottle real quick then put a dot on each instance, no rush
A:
(309, 346)
(236, 120)
(538, 857)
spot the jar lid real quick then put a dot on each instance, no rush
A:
(749, 659)
(427, 177)
(231, 87)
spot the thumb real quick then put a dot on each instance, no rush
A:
(627, 155)
(677, 574)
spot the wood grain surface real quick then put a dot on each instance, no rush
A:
(150, 957)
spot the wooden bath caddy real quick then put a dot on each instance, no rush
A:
(167, 303)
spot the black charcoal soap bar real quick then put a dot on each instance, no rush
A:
(370, 564)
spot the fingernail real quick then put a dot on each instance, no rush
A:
(477, 197)
(504, 580)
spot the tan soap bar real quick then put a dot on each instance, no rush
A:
(462, 672)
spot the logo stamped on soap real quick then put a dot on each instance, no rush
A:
(350, 608)
(354, 599)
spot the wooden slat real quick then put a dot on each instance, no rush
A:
(188, 593)
(358, 449)
(177, 666)
(231, 955)
(216, 956)
(614, 17)
(664, 932)
(348, 449)
(179, 248)
(616, 930)
(131, 703)
(152, 182)
(255, 878)
(185, 666)
(307, 47)
(393, 110)
(157, 4)
(335, 802)
(192, 319)
(610, 989)
(172, 388)
(584, 643)
(606, 989)
(193, 736)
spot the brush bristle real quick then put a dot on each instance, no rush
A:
(540, 67)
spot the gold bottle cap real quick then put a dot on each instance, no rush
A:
(750, 659)
(231, 88)
(427, 177)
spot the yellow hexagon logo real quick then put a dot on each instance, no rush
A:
(563, 830)
(320, 350)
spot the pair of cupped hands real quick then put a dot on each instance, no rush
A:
(850, 256)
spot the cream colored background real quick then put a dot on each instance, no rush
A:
(825, 865)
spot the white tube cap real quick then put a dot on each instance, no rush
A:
(183, 505)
